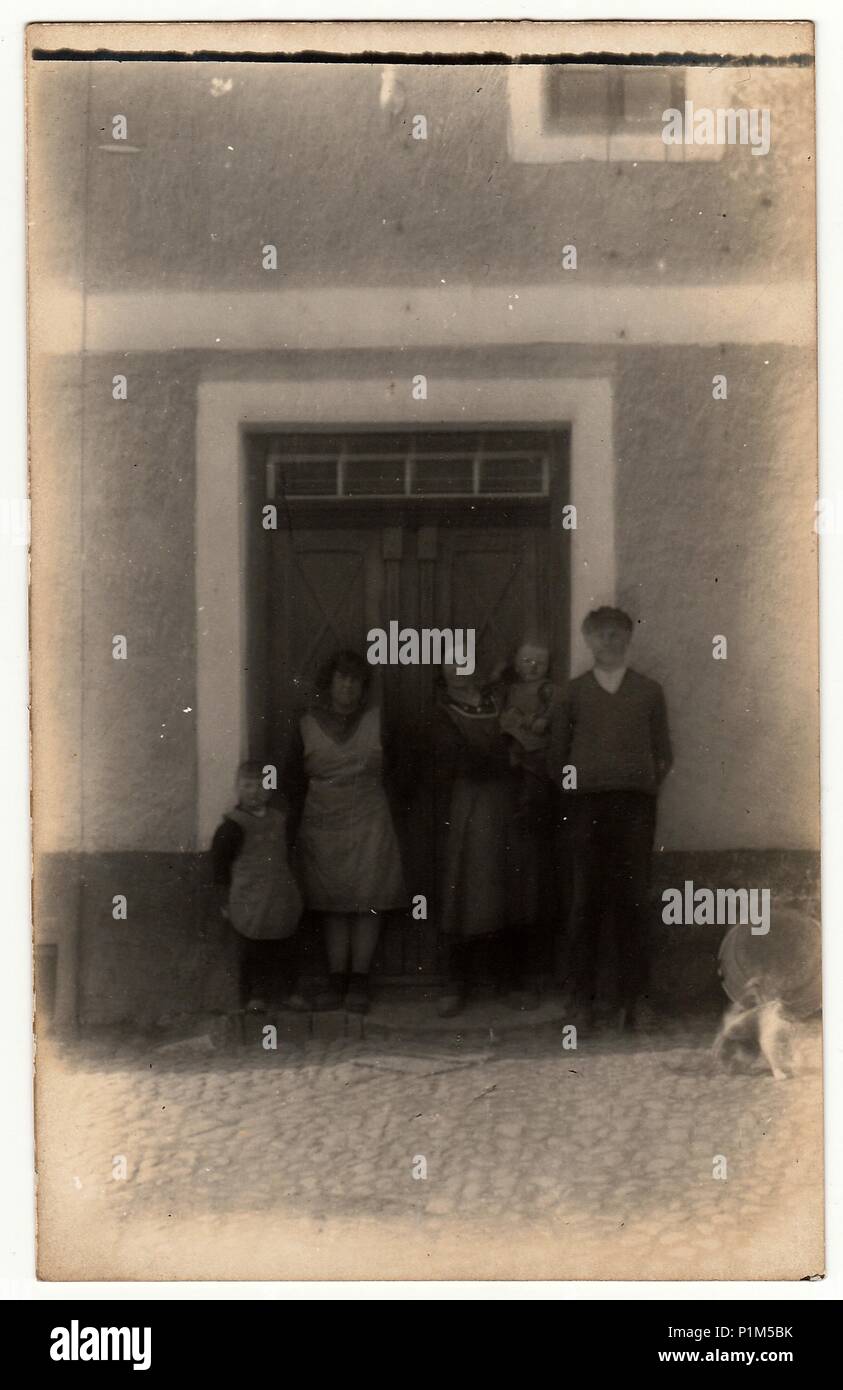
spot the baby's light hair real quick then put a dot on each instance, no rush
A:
(250, 768)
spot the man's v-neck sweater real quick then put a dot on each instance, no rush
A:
(616, 742)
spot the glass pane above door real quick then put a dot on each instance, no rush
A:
(488, 463)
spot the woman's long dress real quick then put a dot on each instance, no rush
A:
(482, 888)
(347, 847)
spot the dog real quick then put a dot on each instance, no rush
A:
(747, 1031)
(774, 985)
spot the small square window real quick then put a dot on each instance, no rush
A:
(646, 94)
(579, 101)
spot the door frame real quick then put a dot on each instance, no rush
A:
(227, 412)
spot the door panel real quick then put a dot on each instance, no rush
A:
(496, 582)
(326, 591)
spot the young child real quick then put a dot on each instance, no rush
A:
(611, 727)
(529, 699)
(261, 898)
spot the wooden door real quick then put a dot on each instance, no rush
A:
(326, 585)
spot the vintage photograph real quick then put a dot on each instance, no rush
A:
(424, 641)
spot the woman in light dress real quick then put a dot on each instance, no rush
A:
(346, 843)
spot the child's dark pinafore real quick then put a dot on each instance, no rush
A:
(264, 902)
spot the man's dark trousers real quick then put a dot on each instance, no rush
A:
(610, 836)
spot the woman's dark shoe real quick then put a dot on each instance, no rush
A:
(357, 995)
(328, 1000)
(332, 997)
(357, 1001)
(296, 1003)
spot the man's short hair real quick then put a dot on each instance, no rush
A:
(606, 617)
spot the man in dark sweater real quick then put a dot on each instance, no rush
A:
(610, 753)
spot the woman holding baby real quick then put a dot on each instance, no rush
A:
(488, 786)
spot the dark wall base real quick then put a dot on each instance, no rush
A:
(684, 959)
(175, 956)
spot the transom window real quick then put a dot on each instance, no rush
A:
(418, 465)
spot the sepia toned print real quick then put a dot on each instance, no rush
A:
(424, 651)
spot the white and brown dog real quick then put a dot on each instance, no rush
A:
(774, 984)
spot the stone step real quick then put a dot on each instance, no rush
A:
(481, 1020)
(410, 1019)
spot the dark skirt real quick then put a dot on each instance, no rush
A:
(490, 860)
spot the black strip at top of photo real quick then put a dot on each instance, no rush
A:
(660, 60)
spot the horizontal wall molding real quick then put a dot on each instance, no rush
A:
(569, 310)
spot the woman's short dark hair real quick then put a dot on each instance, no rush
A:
(348, 663)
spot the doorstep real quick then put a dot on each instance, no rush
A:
(411, 1017)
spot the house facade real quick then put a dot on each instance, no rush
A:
(492, 352)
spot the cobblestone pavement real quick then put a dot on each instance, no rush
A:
(540, 1161)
